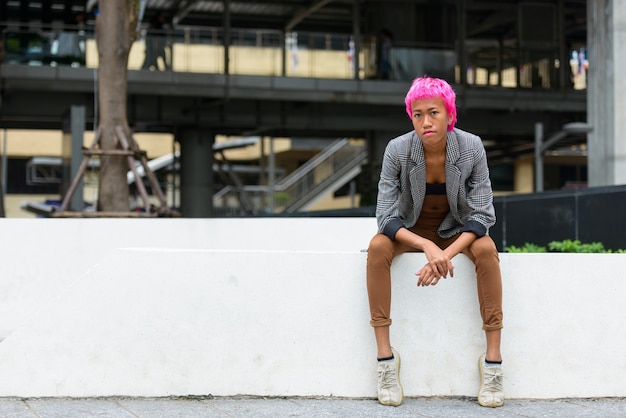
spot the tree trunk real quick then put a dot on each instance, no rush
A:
(115, 33)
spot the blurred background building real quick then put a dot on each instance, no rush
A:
(286, 103)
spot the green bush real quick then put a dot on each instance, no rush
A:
(565, 246)
(575, 246)
(526, 248)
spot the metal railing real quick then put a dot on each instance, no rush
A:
(190, 49)
(295, 54)
(331, 168)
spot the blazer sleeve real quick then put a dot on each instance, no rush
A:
(389, 193)
(479, 195)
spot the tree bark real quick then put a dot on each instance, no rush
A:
(115, 33)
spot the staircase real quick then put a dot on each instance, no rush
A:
(332, 168)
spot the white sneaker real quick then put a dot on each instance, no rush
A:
(490, 393)
(389, 387)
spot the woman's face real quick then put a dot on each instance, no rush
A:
(430, 120)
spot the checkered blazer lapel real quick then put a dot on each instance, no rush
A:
(453, 174)
(417, 174)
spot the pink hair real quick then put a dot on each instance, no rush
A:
(427, 88)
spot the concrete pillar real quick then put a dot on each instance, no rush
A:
(72, 154)
(380, 139)
(606, 88)
(196, 173)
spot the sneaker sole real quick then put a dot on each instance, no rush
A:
(481, 360)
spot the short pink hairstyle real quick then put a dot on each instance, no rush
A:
(427, 88)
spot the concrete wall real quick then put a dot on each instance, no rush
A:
(278, 307)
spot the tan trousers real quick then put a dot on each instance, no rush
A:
(482, 252)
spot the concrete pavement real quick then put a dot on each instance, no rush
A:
(230, 407)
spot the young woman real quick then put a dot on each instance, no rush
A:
(434, 196)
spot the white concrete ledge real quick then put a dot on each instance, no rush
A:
(279, 307)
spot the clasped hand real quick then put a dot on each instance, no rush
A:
(439, 266)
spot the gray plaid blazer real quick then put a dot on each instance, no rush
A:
(402, 185)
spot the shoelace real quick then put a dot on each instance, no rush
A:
(387, 376)
(492, 379)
